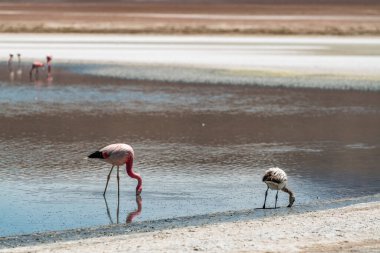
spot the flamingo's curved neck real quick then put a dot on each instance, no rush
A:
(134, 175)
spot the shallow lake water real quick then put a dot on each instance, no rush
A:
(200, 148)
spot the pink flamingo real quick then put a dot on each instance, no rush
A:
(117, 155)
(37, 64)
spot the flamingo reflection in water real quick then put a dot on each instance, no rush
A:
(130, 216)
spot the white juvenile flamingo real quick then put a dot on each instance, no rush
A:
(276, 179)
(117, 155)
(37, 64)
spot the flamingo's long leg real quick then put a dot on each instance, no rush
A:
(108, 179)
(265, 200)
(275, 204)
(118, 195)
(118, 180)
(31, 73)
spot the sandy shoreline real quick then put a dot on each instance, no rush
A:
(352, 228)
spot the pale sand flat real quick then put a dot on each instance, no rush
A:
(354, 228)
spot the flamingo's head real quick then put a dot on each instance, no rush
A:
(49, 58)
(138, 191)
(98, 154)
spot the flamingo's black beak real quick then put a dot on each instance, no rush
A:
(96, 154)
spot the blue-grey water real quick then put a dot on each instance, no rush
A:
(200, 148)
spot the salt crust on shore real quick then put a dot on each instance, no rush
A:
(354, 228)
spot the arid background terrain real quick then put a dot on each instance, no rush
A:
(335, 17)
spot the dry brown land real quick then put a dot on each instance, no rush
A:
(217, 17)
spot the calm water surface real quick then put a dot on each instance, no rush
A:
(200, 148)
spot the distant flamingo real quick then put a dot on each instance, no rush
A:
(276, 179)
(10, 68)
(19, 60)
(10, 63)
(19, 69)
(119, 154)
(37, 64)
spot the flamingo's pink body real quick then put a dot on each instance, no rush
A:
(117, 155)
(37, 64)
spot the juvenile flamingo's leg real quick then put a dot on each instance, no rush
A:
(108, 179)
(275, 204)
(117, 210)
(265, 200)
